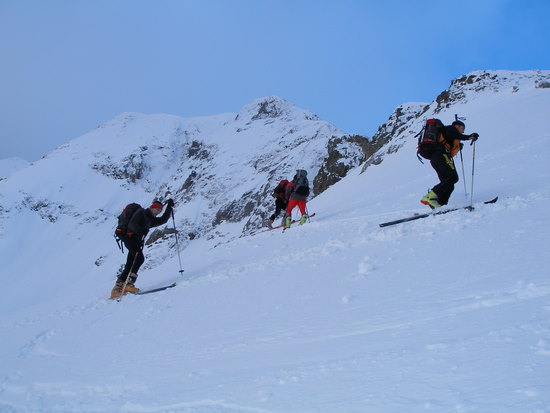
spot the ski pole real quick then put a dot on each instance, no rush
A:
(463, 175)
(473, 164)
(177, 242)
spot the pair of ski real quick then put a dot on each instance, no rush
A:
(282, 225)
(445, 211)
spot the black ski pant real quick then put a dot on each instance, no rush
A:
(135, 257)
(280, 205)
(446, 172)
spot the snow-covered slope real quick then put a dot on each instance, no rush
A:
(445, 314)
(10, 165)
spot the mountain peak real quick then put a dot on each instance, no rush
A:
(270, 107)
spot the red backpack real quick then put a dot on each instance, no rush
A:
(280, 189)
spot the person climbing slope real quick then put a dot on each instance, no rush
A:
(297, 193)
(134, 224)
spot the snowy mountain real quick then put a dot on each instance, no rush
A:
(220, 171)
(445, 314)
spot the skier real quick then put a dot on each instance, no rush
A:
(443, 164)
(138, 226)
(281, 201)
(297, 192)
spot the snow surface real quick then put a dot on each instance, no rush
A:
(445, 314)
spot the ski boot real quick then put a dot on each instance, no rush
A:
(303, 219)
(130, 285)
(116, 292)
(287, 221)
(431, 200)
(131, 288)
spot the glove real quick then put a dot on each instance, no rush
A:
(170, 203)
(474, 136)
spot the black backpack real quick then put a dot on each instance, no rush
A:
(301, 183)
(428, 138)
(125, 216)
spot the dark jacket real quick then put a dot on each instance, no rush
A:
(143, 220)
(450, 133)
(451, 139)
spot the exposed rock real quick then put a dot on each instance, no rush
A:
(157, 234)
(344, 153)
(131, 168)
(237, 210)
(382, 142)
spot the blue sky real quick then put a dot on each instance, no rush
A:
(69, 65)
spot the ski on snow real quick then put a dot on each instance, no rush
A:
(294, 221)
(154, 290)
(280, 226)
(429, 214)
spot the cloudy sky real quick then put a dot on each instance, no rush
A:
(68, 65)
